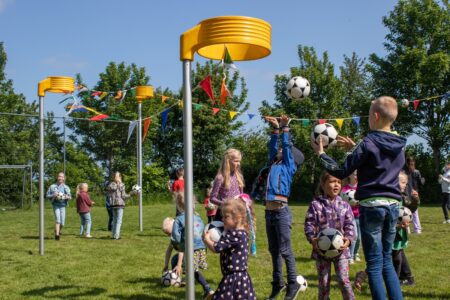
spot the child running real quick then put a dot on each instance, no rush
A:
(84, 204)
(233, 248)
(328, 210)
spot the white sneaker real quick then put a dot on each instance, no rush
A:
(88, 236)
(446, 222)
(351, 261)
(357, 258)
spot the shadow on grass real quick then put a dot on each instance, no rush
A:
(33, 237)
(152, 284)
(63, 292)
(424, 295)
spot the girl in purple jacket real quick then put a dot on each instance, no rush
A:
(328, 210)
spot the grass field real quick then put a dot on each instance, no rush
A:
(130, 268)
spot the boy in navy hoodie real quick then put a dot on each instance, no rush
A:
(283, 165)
(379, 158)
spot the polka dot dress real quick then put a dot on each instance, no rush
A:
(236, 283)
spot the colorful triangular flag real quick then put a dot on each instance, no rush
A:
(163, 98)
(250, 116)
(416, 104)
(103, 95)
(147, 123)
(356, 120)
(164, 116)
(197, 106)
(227, 61)
(224, 93)
(340, 122)
(131, 128)
(232, 114)
(206, 85)
(133, 92)
(305, 122)
(99, 117)
(215, 110)
(120, 95)
(322, 121)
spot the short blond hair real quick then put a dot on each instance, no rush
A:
(387, 107)
(403, 174)
(167, 225)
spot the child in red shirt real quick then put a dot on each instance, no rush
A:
(84, 204)
(210, 208)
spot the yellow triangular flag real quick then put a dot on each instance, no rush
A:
(103, 95)
(180, 103)
(232, 114)
(340, 122)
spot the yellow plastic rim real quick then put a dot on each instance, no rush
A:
(245, 38)
(144, 92)
(56, 84)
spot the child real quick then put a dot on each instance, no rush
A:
(354, 247)
(178, 242)
(84, 204)
(178, 184)
(283, 165)
(399, 260)
(210, 208)
(229, 181)
(117, 197)
(415, 180)
(444, 180)
(328, 210)
(59, 203)
(233, 247)
(379, 157)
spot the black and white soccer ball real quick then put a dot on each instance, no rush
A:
(298, 88)
(349, 196)
(210, 206)
(170, 278)
(303, 283)
(405, 102)
(330, 241)
(136, 188)
(405, 215)
(60, 196)
(215, 230)
(326, 132)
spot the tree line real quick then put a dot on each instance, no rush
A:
(416, 66)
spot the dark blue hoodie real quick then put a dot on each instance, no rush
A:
(379, 157)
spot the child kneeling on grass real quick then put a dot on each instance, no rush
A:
(177, 239)
(328, 210)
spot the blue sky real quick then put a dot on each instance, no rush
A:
(52, 37)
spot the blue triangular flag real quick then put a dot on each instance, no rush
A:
(250, 116)
(356, 120)
(164, 116)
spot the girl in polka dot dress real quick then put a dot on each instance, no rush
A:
(233, 249)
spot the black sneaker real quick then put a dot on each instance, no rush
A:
(408, 282)
(292, 291)
(277, 288)
(57, 237)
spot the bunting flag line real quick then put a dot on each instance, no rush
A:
(147, 123)
(131, 128)
(340, 122)
(99, 117)
(232, 114)
(206, 85)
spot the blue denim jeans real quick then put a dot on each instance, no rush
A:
(60, 214)
(278, 229)
(86, 222)
(377, 235)
(117, 221)
(354, 247)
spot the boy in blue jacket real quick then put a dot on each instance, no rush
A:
(283, 165)
(379, 158)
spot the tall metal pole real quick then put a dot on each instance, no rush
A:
(64, 131)
(41, 175)
(139, 139)
(188, 180)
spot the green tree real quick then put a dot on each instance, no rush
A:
(16, 134)
(416, 66)
(212, 134)
(106, 141)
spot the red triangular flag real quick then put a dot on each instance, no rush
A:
(207, 87)
(416, 104)
(322, 121)
(99, 117)
(224, 93)
(147, 123)
(215, 110)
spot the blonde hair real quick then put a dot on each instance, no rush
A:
(403, 174)
(225, 169)
(237, 208)
(80, 186)
(178, 198)
(167, 225)
(387, 108)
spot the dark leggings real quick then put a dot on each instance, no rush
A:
(401, 265)
(445, 204)
(198, 276)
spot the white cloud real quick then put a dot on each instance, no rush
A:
(4, 3)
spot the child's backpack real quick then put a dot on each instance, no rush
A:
(260, 184)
